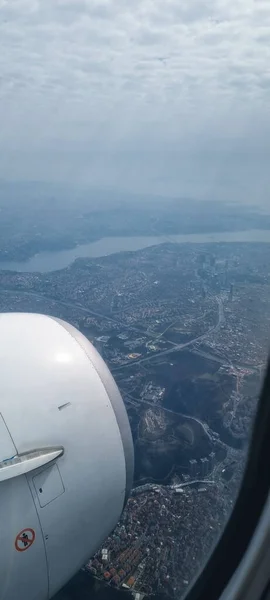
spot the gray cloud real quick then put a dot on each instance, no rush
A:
(88, 87)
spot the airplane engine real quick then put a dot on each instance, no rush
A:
(66, 454)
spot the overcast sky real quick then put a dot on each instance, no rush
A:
(168, 96)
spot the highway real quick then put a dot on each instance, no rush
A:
(205, 427)
(74, 305)
(178, 347)
(175, 347)
(181, 485)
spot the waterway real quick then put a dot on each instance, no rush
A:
(52, 261)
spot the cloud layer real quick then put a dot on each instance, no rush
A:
(151, 94)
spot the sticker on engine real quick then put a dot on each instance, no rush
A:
(24, 539)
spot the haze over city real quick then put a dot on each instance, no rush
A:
(146, 96)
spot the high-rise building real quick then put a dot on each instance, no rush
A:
(231, 293)
(193, 467)
(204, 467)
(212, 457)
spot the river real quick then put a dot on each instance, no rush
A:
(52, 261)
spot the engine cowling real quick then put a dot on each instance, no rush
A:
(66, 454)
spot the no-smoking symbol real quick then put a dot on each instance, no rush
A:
(25, 539)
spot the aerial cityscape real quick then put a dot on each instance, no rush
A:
(134, 205)
(184, 328)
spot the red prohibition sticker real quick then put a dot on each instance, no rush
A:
(25, 539)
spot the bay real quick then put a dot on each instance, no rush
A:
(55, 260)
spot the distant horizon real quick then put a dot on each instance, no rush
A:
(83, 188)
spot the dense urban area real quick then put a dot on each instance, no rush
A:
(184, 329)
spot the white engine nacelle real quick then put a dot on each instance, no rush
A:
(66, 454)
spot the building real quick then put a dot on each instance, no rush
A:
(104, 555)
(204, 467)
(212, 457)
(193, 467)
